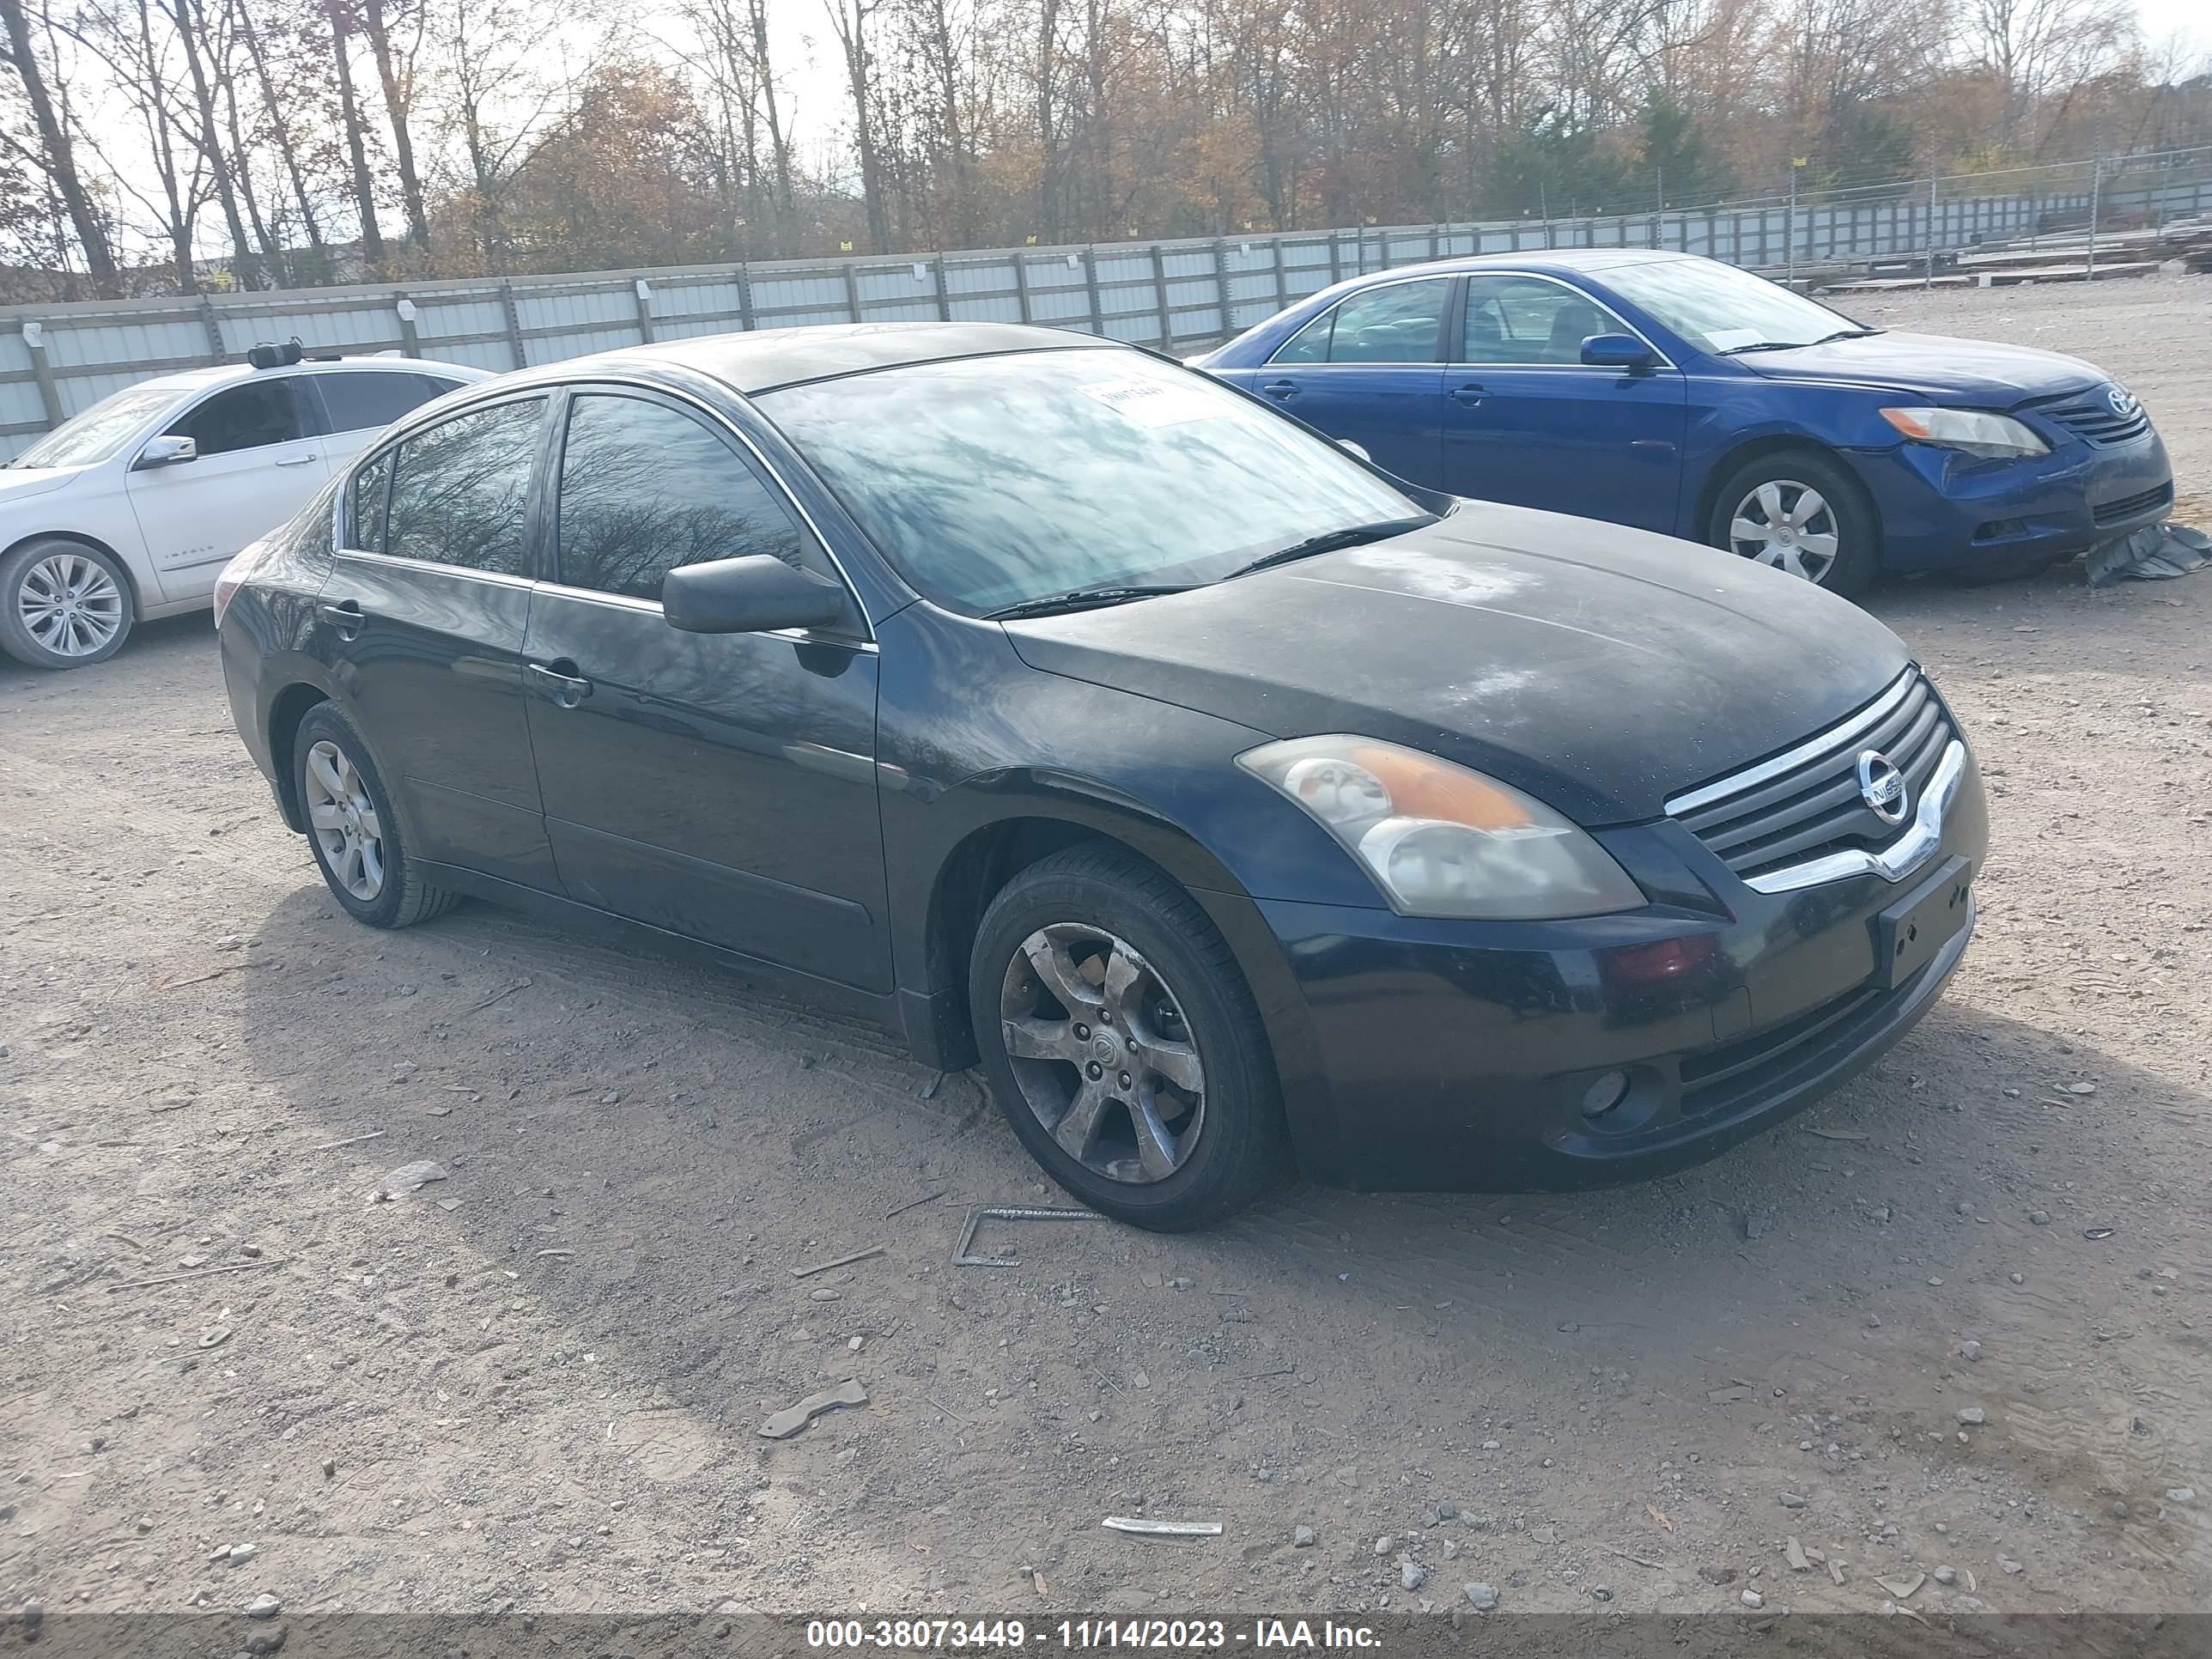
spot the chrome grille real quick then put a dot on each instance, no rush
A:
(1806, 803)
(2093, 419)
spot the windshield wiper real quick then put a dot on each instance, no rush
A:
(1084, 598)
(1351, 536)
(1798, 345)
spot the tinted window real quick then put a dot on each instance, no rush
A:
(1395, 324)
(372, 397)
(365, 510)
(249, 416)
(460, 490)
(1521, 319)
(994, 479)
(645, 489)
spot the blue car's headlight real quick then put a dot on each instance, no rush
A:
(1440, 840)
(1975, 431)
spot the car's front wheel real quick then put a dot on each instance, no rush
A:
(62, 605)
(1801, 513)
(1121, 1042)
(359, 844)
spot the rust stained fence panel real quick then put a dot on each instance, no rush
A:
(1176, 295)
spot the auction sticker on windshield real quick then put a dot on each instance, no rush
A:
(1154, 402)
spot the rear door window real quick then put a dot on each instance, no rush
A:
(367, 399)
(1527, 320)
(460, 489)
(1398, 322)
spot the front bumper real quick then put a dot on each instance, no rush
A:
(1435, 1055)
(1941, 510)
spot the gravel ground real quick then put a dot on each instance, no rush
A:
(1957, 1317)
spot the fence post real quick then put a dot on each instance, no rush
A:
(50, 395)
(852, 291)
(645, 310)
(1927, 272)
(410, 338)
(213, 324)
(513, 324)
(944, 294)
(1090, 284)
(2096, 194)
(1282, 277)
(1221, 286)
(1335, 259)
(745, 319)
(1022, 284)
(1160, 299)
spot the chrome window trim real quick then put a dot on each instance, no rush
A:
(499, 577)
(1626, 327)
(1813, 748)
(654, 608)
(1897, 860)
(1330, 310)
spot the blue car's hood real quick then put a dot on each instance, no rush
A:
(1983, 373)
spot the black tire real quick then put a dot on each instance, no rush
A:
(403, 895)
(1857, 558)
(112, 605)
(1240, 1148)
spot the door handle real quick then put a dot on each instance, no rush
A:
(297, 460)
(562, 685)
(1279, 390)
(1470, 394)
(344, 617)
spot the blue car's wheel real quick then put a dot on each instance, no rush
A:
(1799, 512)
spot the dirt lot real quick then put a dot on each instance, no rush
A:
(539, 1382)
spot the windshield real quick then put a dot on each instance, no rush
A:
(991, 481)
(1717, 307)
(100, 432)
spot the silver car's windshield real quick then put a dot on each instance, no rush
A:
(1719, 308)
(993, 481)
(100, 432)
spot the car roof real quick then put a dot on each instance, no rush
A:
(195, 379)
(768, 358)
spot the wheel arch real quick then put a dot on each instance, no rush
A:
(287, 709)
(1776, 443)
(94, 545)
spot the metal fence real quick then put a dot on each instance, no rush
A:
(56, 360)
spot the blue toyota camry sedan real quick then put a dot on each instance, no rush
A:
(1678, 394)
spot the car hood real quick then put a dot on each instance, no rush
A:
(1983, 373)
(20, 484)
(1598, 668)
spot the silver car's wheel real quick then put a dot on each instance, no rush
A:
(70, 604)
(343, 821)
(1099, 1049)
(1789, 525)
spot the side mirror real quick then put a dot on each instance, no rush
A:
(1618, 351)
(1352, 448)
(756, 594)
(165, 451)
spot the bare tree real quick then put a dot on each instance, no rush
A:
(56, 157)
(851, 19)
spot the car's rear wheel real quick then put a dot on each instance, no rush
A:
(1802, 513)
(1121, 1042)
(359, 844)
(62, 605)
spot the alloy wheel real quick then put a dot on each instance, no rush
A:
(70, 605)
(1790, 525)
(344, 822)
(1100, 1050)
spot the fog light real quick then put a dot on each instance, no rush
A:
(1606, 1090)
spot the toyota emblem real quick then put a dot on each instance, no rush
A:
(1882, 786)
(2122, 400)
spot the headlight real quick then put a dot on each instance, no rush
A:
(1440, 840)
(1970, 430)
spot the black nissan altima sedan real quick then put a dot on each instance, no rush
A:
(1237, 807)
